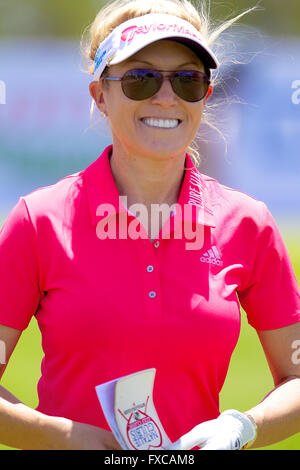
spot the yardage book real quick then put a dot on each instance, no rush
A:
(127, 403)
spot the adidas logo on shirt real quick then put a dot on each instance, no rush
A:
(212, 256)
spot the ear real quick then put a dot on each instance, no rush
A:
(96, 93)
(209, 93)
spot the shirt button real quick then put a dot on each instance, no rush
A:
(152, 295)
(156, 245)
(150, 269)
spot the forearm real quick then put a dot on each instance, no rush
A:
(22, 427)
(278, 415)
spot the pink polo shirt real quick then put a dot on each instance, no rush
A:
(110, 307)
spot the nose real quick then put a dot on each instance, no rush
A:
(165, 96)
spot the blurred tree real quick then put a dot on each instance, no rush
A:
(68, 18)
(58, 18)
(276, 17)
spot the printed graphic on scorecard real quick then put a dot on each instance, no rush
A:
(128, 407)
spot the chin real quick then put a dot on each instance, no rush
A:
(164, 151)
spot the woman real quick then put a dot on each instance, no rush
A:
(113, 296)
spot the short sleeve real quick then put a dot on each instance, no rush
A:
(271, 297)
(19, 274)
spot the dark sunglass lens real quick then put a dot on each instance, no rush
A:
(190, 85)
(141, 84)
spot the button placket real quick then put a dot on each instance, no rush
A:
(152, 294)
(151, 281)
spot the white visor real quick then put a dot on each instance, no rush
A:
(137, 33)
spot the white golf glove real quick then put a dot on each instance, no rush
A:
(232, 430)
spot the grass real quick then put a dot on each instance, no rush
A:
(248, 379)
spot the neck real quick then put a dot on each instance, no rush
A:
(147, 181)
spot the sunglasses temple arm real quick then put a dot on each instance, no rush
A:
(116, 79)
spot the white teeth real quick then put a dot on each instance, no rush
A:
(164, 123)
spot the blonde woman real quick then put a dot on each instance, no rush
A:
(116, 290)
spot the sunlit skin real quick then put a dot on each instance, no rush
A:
(148, 163)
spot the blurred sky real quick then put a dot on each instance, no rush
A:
(45, 132)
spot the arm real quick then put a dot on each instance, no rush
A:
(24, 428)
(278, 415)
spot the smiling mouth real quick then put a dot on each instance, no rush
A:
(161, 123)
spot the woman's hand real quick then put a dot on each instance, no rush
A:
(80, 436)
(232, 430)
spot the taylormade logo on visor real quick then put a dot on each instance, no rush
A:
(120, 44)
(129, 33)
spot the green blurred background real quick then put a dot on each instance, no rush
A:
(248, 379)
(67, 18)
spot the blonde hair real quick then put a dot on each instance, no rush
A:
(117, 12)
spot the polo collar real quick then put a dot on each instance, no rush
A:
(101, 189)
(194, 199)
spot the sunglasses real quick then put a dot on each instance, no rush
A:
(141, 84)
